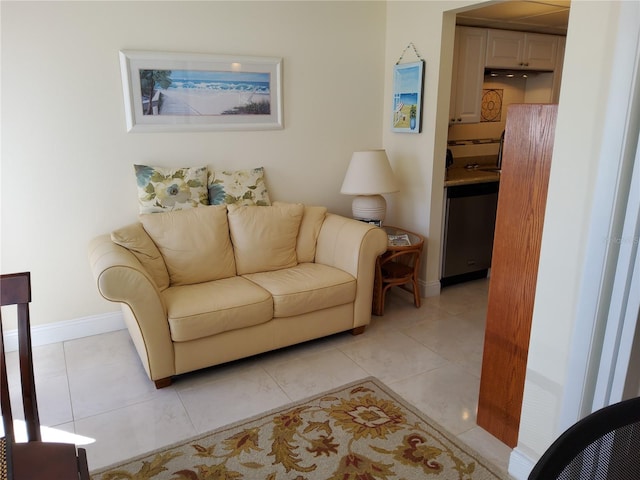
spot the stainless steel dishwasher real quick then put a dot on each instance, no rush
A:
(470, 219)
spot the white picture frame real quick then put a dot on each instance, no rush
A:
(169, 92)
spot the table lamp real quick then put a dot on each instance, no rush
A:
(369, 174)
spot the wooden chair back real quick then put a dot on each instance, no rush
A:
(35, 459)
(15, 289)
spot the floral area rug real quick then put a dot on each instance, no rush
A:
(361, 431)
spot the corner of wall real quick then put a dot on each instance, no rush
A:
(520, 465)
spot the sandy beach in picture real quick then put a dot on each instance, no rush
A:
(183, 101)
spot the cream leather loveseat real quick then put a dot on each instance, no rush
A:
(208, 285)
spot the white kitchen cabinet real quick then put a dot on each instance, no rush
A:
(521, 50)
(557, 71)
(468, 74)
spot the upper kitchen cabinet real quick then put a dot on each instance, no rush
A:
(521, 51)
(468, 72)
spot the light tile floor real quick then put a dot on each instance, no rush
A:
(94, 390)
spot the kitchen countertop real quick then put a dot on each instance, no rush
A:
(457, 174)
(463, 176)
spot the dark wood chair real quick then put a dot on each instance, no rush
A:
(34, 459)
(603, 445)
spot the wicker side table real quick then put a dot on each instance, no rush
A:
(398, 266)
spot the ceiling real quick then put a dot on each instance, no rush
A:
(542, 16)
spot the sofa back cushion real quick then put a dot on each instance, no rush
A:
(135, 239)
(264, 238)
(312, 219)
(194, 243)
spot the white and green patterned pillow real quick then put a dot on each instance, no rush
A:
(166, 189)
(238, 187)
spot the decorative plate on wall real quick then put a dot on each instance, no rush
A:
(491, 105)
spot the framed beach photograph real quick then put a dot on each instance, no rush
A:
(196, 92)
(408, 82)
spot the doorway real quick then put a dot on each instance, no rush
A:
(480, 145)
(587, 306)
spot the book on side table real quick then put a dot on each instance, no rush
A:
(401, 240)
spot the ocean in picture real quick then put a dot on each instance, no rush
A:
(197, 92)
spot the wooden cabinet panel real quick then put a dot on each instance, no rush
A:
(526, 162)
(468, 74)
(522, 51)
(504, 49)
(540, 51)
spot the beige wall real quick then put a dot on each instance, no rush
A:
(67, 159)
(578, 156)
(419, 160)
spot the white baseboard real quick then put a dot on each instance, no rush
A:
(431, 289)
(67, 330)
(520, 465)
(110, 322)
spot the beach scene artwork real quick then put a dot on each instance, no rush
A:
(193, 92)
(204, 92)
(407, 97)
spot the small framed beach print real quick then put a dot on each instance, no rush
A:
(198, 92)
(408, 82)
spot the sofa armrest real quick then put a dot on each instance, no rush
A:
(353, 246)
(121, 278)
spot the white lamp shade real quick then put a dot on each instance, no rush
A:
(369, 173)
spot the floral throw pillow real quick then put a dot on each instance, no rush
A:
(166, 189)
(238, 187)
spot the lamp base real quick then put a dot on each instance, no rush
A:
(369, 207)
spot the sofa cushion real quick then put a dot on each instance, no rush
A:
(238, 187)
(312, 219)
(310, 226)
(305, 288)
(134, 238)
(264, 238)
(205, 309)
(194, 243)
(166, 189)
